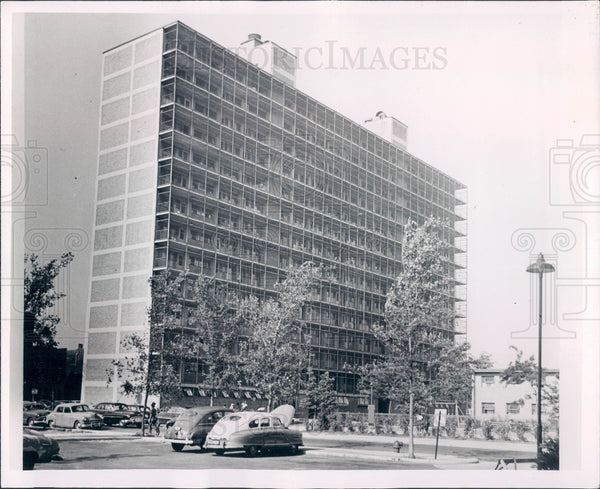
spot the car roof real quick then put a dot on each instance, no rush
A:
(70, 404)
(201, 410)
(251, 414)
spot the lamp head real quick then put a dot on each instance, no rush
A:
(540, 266)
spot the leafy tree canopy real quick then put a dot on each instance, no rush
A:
(40, 295)
(275, 353)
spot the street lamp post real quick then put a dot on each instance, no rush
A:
(540, 267)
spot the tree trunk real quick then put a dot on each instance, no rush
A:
(269, 405)
(411, 441)
(144, 413)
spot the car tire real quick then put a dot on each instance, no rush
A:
(177, 447)
(52, 424)
(295, 449)
(220, 452)
(251, 451)
(30, 422)
(76, 425)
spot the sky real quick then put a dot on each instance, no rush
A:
(485, 89)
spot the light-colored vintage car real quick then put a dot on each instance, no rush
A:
(74, 415)
(192, 426)
(254, 432)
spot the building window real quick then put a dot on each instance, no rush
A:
(487, 380)
(534, 409)
(488, 408)
(513, 408)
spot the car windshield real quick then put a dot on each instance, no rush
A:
(79, 408)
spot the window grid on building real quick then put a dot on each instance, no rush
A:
(255, 176)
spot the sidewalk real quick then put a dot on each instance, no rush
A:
(429, 441)
(392, 457)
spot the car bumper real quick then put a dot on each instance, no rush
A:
(39, 422)
(222, 444)
(92, 424)
(131, 422)
(178, 441)
(179, 437)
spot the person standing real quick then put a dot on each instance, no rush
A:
(154, 419)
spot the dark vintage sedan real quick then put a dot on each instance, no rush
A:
(34, 413)
(38, 448)
(254, 432)
(169, 415)
(118, 413)
(192, 426)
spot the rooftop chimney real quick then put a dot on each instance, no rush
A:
(389, 128)
(270, 57)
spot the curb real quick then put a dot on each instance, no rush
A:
(85, 435)
(392, 458)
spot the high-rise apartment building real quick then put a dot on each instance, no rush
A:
(208, 163)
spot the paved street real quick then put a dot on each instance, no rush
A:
(145, 454)
(117, 448)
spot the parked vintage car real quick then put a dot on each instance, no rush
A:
(74, 415)
(46, 402)
(254, 432)
(140, 408)
(168, 415)
(34, 413)
(118, 413)
(192, 426)
(37, 448)
(62, 401)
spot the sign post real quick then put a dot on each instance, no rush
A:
(34, 392)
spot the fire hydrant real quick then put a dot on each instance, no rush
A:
(398, 446)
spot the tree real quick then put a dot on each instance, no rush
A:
(418, 316)
(452, 372)
(152, 364)
(320, 395)
(217, 329)
(40, 296)
(42, 360)
(526, 370)
(274, 351)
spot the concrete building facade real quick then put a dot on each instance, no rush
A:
(494, 399)
(208, 163)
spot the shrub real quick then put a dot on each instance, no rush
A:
(451, 426)
(550, 459)
(488, 430)
(335, 421)
(521, 428)
(470, 425)
(502, 430)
